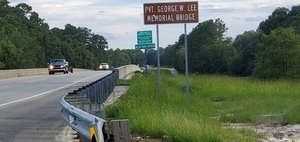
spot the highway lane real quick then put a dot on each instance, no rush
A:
(29, 106)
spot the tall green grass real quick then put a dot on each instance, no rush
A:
(213, 101)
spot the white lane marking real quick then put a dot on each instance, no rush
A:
(41, 94)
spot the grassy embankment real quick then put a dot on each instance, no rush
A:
(214, 102)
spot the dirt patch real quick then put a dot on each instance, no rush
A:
(274, 132)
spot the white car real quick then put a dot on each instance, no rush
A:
(104, 66)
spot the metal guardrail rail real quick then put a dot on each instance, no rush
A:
(80, 108)
(88, 125)
(100, 89)
(77, 105)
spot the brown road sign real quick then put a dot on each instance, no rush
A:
(171, 12)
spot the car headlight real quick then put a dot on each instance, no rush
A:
(51, 67)
(100, 67)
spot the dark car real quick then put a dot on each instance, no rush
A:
(59, 65)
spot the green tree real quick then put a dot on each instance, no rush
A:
(220, 55)
(281, 17)
(209, 51)
(119, 58)
(137, 57)
(179, 63)
(9, 55)
(277, 19)
(169, 56)
(4, 8)
(278, 55)
(294, 18)
(151, 57)
(246, 45)
(243, 40)
(37, 44)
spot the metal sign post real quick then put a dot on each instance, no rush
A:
(146, 63)
(186, 67)
(158, 61)
(172, 12)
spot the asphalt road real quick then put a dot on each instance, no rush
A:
(30, 109)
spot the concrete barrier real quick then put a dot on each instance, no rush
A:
(124, 71)
(127, 70)
(28, 72)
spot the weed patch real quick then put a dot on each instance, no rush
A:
(214, 100)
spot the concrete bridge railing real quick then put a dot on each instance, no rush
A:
(28, 72)
(128, 70)
(125, 71)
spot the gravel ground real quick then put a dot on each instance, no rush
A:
(274, 132)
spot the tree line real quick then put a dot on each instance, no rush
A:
(270, 52)
(26, 41)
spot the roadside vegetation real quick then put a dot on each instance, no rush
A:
(215, 102)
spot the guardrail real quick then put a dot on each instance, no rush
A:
(80, 106)
(100, 89)
(88, 125)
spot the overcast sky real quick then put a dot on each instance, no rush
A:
(119, 20)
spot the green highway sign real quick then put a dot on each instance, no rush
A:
(145, 46)
(144, 37)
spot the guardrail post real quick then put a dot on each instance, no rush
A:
(121, 130)
(83, 139)
(98, 110)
